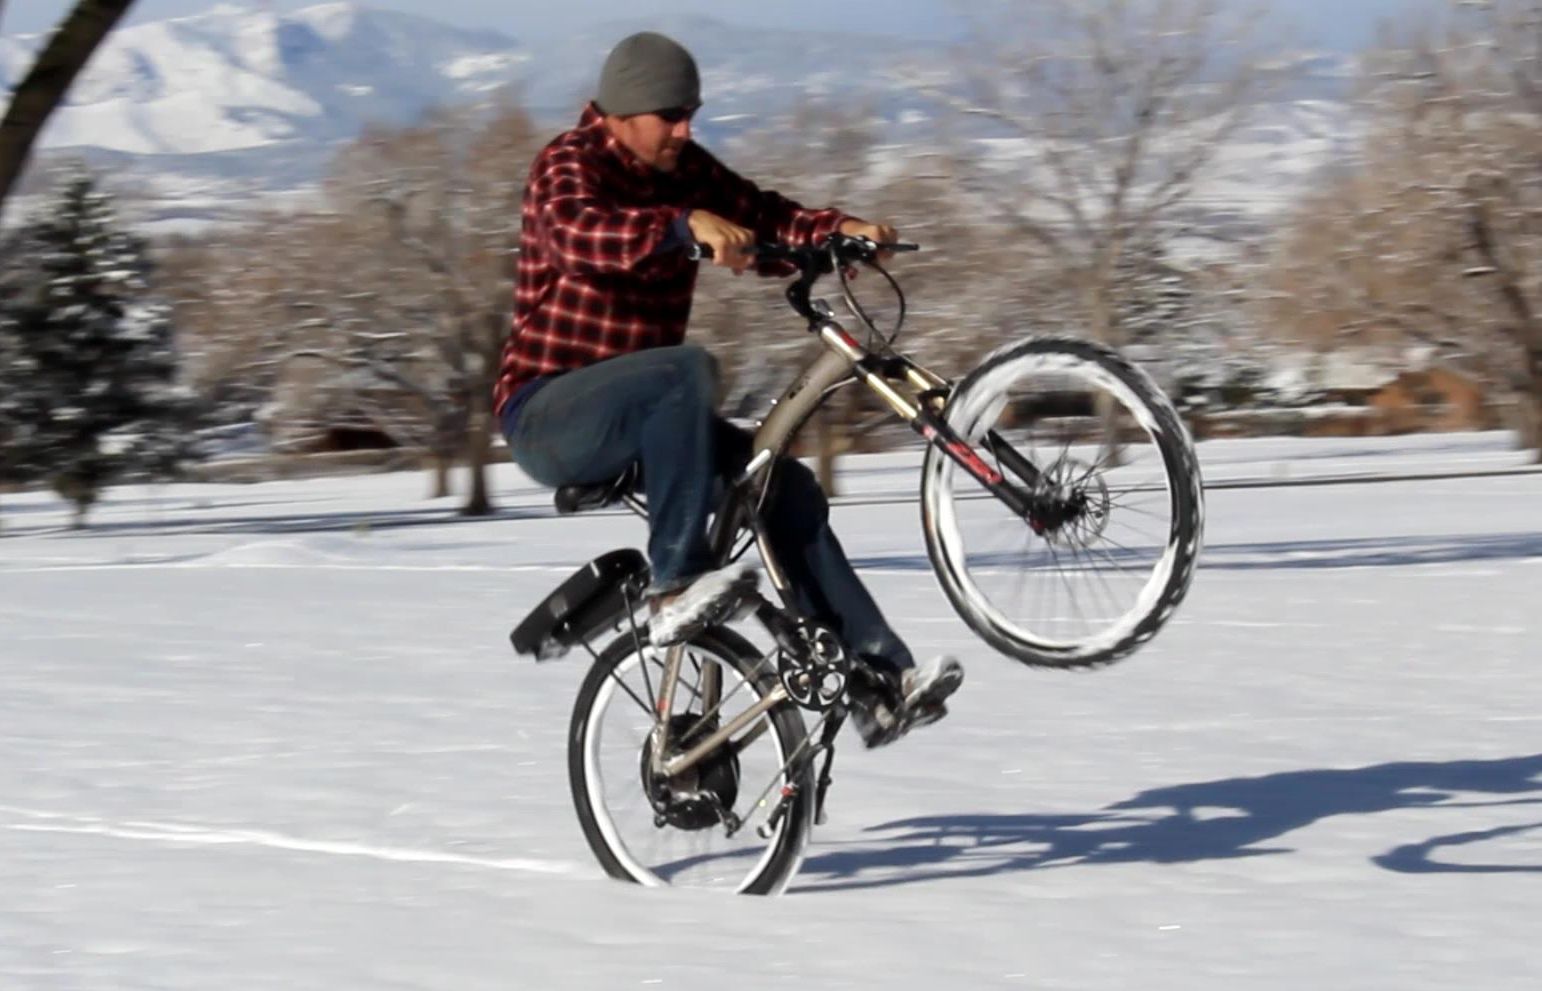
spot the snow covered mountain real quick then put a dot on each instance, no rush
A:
(202, 116)
(237, 78)
(204, 112)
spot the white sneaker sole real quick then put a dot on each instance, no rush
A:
(713, 599)
(923, 707)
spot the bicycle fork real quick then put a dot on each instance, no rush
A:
(924, 419)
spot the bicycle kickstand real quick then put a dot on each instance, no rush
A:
(827, 744)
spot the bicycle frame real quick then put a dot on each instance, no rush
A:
(738, 752)
(917, 396)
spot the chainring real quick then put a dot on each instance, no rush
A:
(814, 674)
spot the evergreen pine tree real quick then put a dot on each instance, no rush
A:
(87, 364)
(1188, 334)
(22, 402)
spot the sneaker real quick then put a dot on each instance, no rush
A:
(710, 599)
(892, 702)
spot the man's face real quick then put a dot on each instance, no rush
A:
(657, 138)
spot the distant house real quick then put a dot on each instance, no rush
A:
(318, 409)
(1350, 394)
(1436, 398)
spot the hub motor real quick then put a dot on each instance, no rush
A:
(701, 796)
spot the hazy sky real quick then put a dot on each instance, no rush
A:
(1341, 23)
(522, 18)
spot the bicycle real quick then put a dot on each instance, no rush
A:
(1055, 446)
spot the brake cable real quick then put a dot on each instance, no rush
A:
(862, 314)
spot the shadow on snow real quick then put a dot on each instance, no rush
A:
(1214, 820)
(1357, 552)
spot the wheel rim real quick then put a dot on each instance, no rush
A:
(615, 736)
(1084, 587)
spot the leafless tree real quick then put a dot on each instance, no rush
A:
(817, 154)
(42, 89)
(1434, 240)
(429, 216)
(240, 298)
(962, 289)
(384, 310)
(1108, 114)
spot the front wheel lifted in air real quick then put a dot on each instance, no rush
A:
(1105, 549)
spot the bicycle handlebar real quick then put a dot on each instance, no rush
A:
(813, 261)
(845, 247)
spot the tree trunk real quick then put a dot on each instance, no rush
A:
(1101, 313)
(1528, 420)
(478, 451)
(42, 89)
(439, 465)
(1525, 322)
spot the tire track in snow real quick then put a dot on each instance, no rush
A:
(177, 834)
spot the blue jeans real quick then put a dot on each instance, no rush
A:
(659, 407)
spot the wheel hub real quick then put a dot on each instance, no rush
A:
(701, 796)
(1071, 505)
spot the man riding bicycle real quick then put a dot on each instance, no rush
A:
(595, 377)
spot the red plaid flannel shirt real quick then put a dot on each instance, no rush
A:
(601, 272)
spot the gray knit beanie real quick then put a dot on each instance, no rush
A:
(648, 72)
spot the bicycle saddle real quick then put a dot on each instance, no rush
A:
(572, 499)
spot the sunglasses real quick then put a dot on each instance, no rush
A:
(674, 115)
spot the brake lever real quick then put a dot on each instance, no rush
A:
(870, 251)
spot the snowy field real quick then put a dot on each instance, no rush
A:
(273, 737)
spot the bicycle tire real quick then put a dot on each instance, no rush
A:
(783, 856)
(1095, 376)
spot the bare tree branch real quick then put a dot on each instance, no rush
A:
(43, 88)
(1118, 108)
(1435, 238)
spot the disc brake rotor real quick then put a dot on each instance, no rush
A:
(1080, 503)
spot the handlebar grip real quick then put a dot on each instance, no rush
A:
(703, 252)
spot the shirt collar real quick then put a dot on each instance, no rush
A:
(593, 122)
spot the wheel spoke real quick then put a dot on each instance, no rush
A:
(1126, 507)
(644, 706)
(1066, 581)
(693, 846)
(1103, 442)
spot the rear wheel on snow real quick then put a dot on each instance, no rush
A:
(707, 828)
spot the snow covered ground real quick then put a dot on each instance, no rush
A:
(272, 737)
